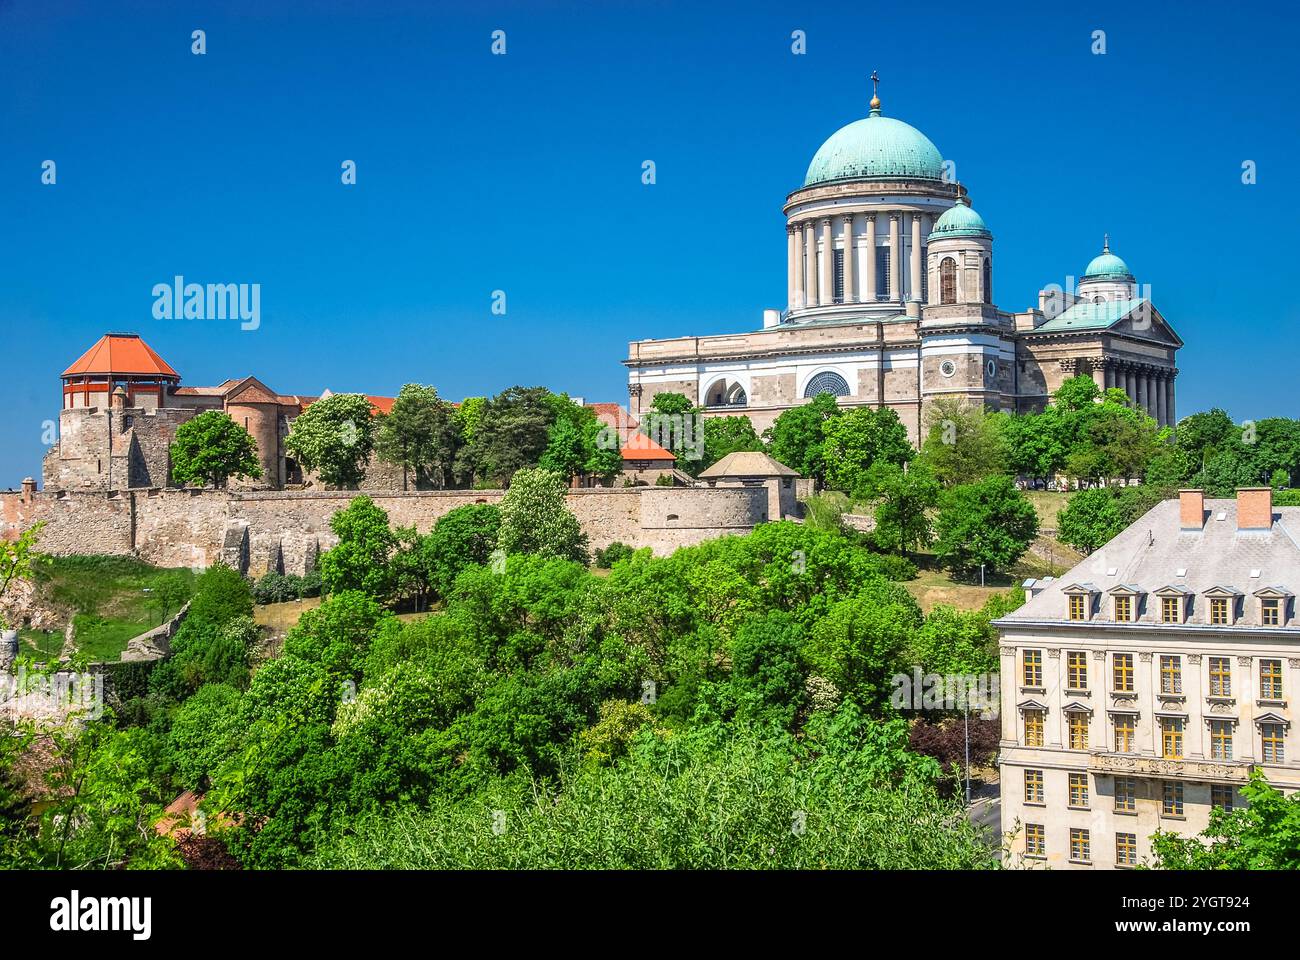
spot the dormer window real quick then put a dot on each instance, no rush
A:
(1078, 607)
(1273, 605)
(1223, 605)
(1171, 609)
(1079, 600)
(1123, 608)
(1219, 610)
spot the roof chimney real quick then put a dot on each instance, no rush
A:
(1254, 508)
(1191, 509)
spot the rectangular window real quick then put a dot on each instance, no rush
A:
(1126, 849)
(1221, 796)
(1220, 740)
(1172, 803)
(1125, 794)
(1218, 610)
(882, 273)
(1123, 672)
(1171, 737)
(1270, 679)
(1125, 733)
(1169, 612)
(1033, 728)
(1078, 731)
(1271, 737)
(1123, 608)
(1270, 611)
(1080, 846)
(1171, 675)
(1032, 661)
(1220, 677)
(1076, 670)
(1079, 790)
(1035, 840)
(837, 276)
(1033, 786)
(1077, 608)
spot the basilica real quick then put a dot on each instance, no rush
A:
(890, 281)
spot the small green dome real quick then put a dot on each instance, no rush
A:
(875, 147)
(960, 220)
(1107, 266)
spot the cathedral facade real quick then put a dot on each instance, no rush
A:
(890, 304)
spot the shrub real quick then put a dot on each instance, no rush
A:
(612, 554)
(275, 587)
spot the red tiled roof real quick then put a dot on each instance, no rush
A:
(123, 354)
(634, 444)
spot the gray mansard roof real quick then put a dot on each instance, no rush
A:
(1155, 554)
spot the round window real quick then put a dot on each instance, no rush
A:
(947, 368)
(992, 368)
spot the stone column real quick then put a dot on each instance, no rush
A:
(1149, 404)
(850, 294)
(791, 266)
(1170, 411)
(800, 285)
(895, 258)
(870, 293)
(915, 292)
(1108, 375)
(810, 263)
(826, 281)
(1162, 400)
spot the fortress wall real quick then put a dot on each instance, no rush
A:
(90, 522)
(180, 528)
(269, 530)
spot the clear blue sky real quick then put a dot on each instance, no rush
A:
(523, 173)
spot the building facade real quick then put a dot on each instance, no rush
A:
(1140, 689)
(890, 303)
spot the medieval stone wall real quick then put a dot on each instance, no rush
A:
(257, 531)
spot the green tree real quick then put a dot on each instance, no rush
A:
(359, 561)
(798, 435)
(858, 438)
(534, 518)
(212, 448)
(988, 523)
(575, 445)
(964, 444)
(722, 436)
(903, 497)
(1090, 520)
(463, 537)
(335, 436)
(18, 558)
(859, 644)
(420, 433)
(1263, 836)
(513, 432)
(767, 674)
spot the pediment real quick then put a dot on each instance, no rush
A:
(1145, 321)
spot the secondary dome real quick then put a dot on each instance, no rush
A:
(960, 220)
(875, 147)
(1107, 266)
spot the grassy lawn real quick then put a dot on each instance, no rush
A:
(1048, 504)
(109, 600)
(43, 644)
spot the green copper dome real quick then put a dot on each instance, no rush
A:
(960, 220)
(1107, 266)
(875, 147)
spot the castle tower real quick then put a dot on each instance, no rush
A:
(118, 359)
(965, 353)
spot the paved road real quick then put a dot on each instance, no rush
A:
(986, 811)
